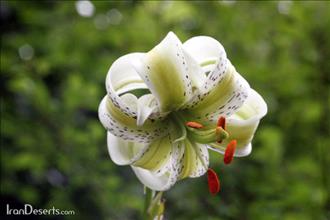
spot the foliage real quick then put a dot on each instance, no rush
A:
(53, 67)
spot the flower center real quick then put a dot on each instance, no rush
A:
(206, 134)
(202, 134)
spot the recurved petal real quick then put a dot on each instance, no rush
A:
(124, 152)
(165, 70)
(242, 125)
(122, 79)
(211, 56)
(167, 179)
(224, 99)
(156, 156)
(194, 161)
(124, 126)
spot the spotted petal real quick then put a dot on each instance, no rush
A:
(124, 126)
(224, 90)
(195, 160)
(123, 79)
(124, 152)
(223, 100)
(166, 71)
(166, 180)
(242, 125)
(210, 55)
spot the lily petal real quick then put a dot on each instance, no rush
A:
(146, 105)
(223, 100)
(211, 56)
(166, 72)
(124, 126)
(165, 181)
(195, 160)
(243, 124)
(156, 156)
(122, 78)
(124, 152)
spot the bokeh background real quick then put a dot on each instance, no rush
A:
(54, 59)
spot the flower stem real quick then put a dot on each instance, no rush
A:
(153, 205)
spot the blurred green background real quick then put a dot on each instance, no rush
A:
(54, 59)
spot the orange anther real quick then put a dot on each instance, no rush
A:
(230, 151)
(213, 181)
(193, 124)
(222, 122)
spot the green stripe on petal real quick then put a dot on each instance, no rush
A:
(195, 160)
(124, 126)
(166, 72)
(122, 79)
(212, 58)
(124, 152)
(242, 125)
(165, 181)
(223, 100)
(157, 155)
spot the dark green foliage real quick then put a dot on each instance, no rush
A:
(53, 148)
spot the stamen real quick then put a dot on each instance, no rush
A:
(222, 122)
(193, 124)
(222, 134)
(213, 181)
(230, 151)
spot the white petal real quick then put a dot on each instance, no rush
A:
(202, 160)
(240, 152)
(125, 127)
(209, 54)
(194, 161)
(157, 154)
(223, 100)
(150, 180)
(166, 72)
(120, 76)
(127, 153)
(243, 124)
(130, 87)
(124, 152)
(123, 78)
(161, 182)
(146, 105)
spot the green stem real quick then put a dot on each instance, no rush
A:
(153, 205)
(147, 201)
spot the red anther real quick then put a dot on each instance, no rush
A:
(222, 122)
(213, 181)
(230, 151)
(193, 124)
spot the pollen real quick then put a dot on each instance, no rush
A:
(222, 122)
(193, 124)
(230, 151)
(213, 181)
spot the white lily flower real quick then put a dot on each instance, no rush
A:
(162, 107)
